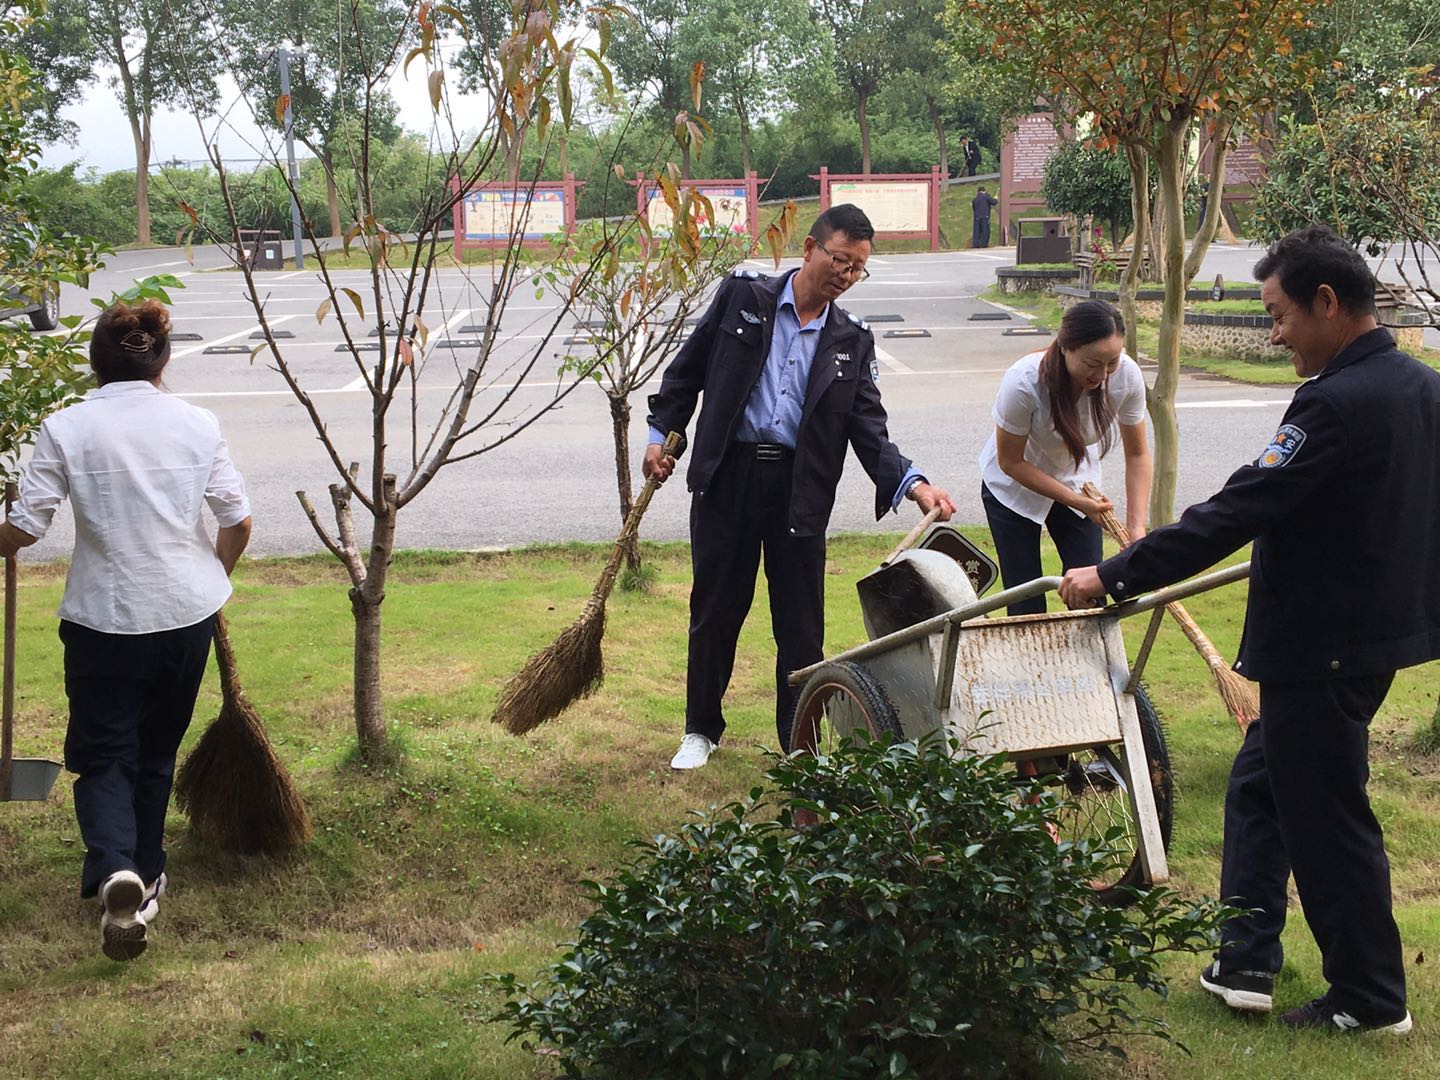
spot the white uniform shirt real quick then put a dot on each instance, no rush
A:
(1022, 407)
(137, 465)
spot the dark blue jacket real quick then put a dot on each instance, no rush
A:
(723, 360)
(1344, 509)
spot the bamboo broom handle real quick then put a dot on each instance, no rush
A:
(913, 535)
(631, 526)
(7, 726)
(1112, 525)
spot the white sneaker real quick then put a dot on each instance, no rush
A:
(694, 752)
(150, 906)
(122, 930)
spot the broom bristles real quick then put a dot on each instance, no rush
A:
(236, 791)
(569, 668)
(238, 794)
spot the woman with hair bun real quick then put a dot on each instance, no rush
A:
(145, 582)
(1055, 417)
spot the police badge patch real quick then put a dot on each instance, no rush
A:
(1284, 446)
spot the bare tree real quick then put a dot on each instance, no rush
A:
(415, 295)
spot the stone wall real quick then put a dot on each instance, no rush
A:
(1020, 280)
(1247, 337)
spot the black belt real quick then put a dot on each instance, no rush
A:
(764, 451)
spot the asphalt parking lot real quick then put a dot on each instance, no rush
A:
(941, 352)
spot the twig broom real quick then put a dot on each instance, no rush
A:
(1237, 694)
(572, 666)
(236, 791)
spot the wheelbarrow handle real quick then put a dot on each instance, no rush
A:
(913, 535)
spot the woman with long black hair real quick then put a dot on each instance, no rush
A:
(1056, 415)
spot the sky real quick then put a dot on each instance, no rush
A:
(105, 142)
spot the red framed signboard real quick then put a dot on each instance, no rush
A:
(489, 214)
(899, 205)
(736, 203)
(1022, 166)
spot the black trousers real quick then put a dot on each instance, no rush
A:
(1296, 802)
(743, 515)
(1017, 543)
(131, 699)
(981, 232)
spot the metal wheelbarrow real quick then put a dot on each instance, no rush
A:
(1054, 692)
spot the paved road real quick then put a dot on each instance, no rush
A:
(555, 481)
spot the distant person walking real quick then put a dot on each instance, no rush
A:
(981, 206)
(138, 465)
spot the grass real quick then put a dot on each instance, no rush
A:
(466, 857)
(1227, 307)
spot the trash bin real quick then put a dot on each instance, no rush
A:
(263, 249)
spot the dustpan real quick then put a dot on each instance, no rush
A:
(21, 779)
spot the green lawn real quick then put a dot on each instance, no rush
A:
(362, 954)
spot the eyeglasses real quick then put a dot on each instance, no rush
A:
(843, 266)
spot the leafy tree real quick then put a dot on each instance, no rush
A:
(863, 31)
(1368, 173)
(326, 84)
(647, 54)
(758, 56)
(920, 78)
(1148, 73)
(62, 58)
(162, 55)
(1086, 182)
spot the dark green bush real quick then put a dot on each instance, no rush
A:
(928, 925)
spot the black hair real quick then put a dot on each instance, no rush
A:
(847, 218)
(1314, 256)
(1082, 324)
(130, 344)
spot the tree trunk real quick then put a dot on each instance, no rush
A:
(938, 120)
(365, 602)
(1139, 162)
(685, 160)
(620, 428)
(332, 200)
(862, 100)
(744, 142)
(1161, 398)
(140, 132)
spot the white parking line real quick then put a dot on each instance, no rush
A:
(1238, 403)
(358, 383)
(158, 266)
(188, 350)
(888, 359)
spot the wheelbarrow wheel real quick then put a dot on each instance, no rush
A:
(1097, 800)
(842, 700)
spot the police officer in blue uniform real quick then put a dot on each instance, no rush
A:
(1343, 506)
(788, 380)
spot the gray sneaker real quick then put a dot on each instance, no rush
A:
(122, 930)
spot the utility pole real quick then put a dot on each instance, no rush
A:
(293, 166)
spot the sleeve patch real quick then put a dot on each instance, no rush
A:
(1283, 447)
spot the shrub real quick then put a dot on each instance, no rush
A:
(927, 925)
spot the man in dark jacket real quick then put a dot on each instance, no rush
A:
(1343, 506)
(972, 156)
(981, 206)
(789, 384)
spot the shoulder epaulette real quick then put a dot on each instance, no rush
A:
(749, 275)
(856, 319)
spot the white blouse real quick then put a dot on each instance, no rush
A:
(1022, 407)
(137, 465)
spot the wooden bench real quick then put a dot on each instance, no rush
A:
(1085, 263)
